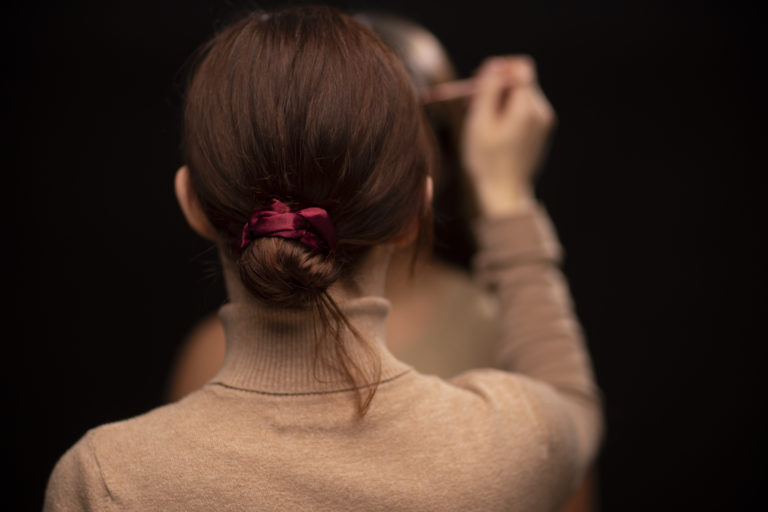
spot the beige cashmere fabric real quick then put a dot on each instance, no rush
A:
(274, 430)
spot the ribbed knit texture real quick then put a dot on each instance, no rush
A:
(289, 362)
(276, 430)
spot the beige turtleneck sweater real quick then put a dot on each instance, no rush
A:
(275, 430)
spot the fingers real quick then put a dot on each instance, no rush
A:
(520, 98)
(507, 126)
(498, 78)
(543, 109)
(514, 71)
(491, 83)
(519, 68)
(528, 107)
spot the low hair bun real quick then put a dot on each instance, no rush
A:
(285, 272)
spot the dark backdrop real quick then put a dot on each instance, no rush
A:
(653, 182)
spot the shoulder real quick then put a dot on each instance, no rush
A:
(536, 413)
(115, 457)
(507, 427)
(77, 480)
(149, 436)
(505, 402)
(527, 400)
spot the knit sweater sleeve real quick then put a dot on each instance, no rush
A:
(77, 482)
(540, 335)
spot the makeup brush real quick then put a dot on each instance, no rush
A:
(453, 90)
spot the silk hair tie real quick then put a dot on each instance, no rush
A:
(310, 226)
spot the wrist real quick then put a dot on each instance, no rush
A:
(501, 202)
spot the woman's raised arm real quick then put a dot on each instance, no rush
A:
(506, 133)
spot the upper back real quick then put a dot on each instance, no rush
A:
(479, 443)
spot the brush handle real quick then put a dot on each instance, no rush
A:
(453, 90)
(447, 91)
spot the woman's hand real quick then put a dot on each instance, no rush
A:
(505, 134)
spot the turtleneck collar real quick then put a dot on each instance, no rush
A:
(272, 350)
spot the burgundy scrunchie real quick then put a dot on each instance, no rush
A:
(310, 226)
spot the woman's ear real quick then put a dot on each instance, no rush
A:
(190, 205)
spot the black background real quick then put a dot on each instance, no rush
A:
(654, 181)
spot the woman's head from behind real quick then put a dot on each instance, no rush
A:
(308, 107)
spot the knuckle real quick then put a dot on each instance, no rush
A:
(526, 63)
(548, 116)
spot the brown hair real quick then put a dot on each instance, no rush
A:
(307, 106)
(428, 64)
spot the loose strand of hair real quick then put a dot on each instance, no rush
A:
(335, 321)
